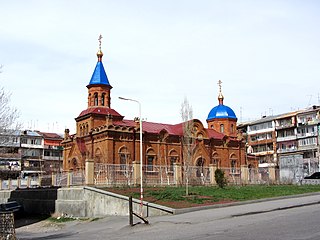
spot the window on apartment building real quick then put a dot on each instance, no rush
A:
(35, 141)
(47, 153)
(24, 140)
(308, 141)
(261, 126)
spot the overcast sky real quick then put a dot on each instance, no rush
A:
(267, 54)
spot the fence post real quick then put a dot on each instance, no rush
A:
(272, 174)
(18, 182)
(136, 173)
(40, 180)
(53, 179)
(130, 211)
(244, 174)
(9, 183)
(28, 182)
(213, 168)
(89, 172)
(69, 178)
(177, 173)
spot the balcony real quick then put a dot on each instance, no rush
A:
(287, 138)
(304, 135)
(310, 122)
(30, 146)
(283, 126)
(287, 150)
(51, 158)
(308, 147)
(263, 153)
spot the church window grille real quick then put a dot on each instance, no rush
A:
(103, 99)
(95, 99)
(221, 128)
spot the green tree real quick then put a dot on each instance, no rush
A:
(220, 178)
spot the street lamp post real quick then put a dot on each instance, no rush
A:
(141, 170)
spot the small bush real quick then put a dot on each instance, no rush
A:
(220, 178)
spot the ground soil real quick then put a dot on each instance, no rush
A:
(186, 203)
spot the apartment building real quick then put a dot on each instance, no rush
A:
(10, 154)
(32, 145)
(260, 138)
(29, 153)
(289, 141)
(52, 152)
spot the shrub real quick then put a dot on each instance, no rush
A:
(220, 178)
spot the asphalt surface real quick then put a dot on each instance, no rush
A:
(218, 221)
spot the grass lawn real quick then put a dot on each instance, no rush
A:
(202, 195)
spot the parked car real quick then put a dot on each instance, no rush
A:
(315, 175)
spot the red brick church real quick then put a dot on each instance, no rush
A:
(105, 137)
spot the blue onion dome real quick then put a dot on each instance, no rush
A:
(221, 111)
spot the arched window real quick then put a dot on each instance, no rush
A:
(200, 169)
(221, 128)
(124, 158)
(231, 128)
(151, 156)
(87, 129)
(89, 99)
(173, 156)
(103, 99)
(215, 159)
(233, 166)
(233, 163)
(95, 99)
(81, 133)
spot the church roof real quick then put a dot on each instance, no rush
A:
(172, 129)
(100, 111)
(99, 76)
(221, 111)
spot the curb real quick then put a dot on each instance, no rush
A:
(193, 209)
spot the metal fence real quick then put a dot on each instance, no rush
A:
(125, 175)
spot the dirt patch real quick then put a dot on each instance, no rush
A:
(184, 202)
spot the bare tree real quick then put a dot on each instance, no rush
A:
(8, 114)
(188, 140)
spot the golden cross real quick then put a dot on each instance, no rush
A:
(219, 83)
(100, 37)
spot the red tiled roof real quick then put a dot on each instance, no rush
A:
(172, 129)
(51, 135)
(100, 110)
(214, 134)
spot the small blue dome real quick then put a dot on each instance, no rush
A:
(221, 111)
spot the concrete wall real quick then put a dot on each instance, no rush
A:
(92, 202)
(78, 202)
(35, 201)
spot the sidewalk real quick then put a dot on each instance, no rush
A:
(111, 227)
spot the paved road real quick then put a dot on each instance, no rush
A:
(292, 218)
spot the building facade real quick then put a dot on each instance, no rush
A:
(104, 136)
(29, 153)
(289, 141)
